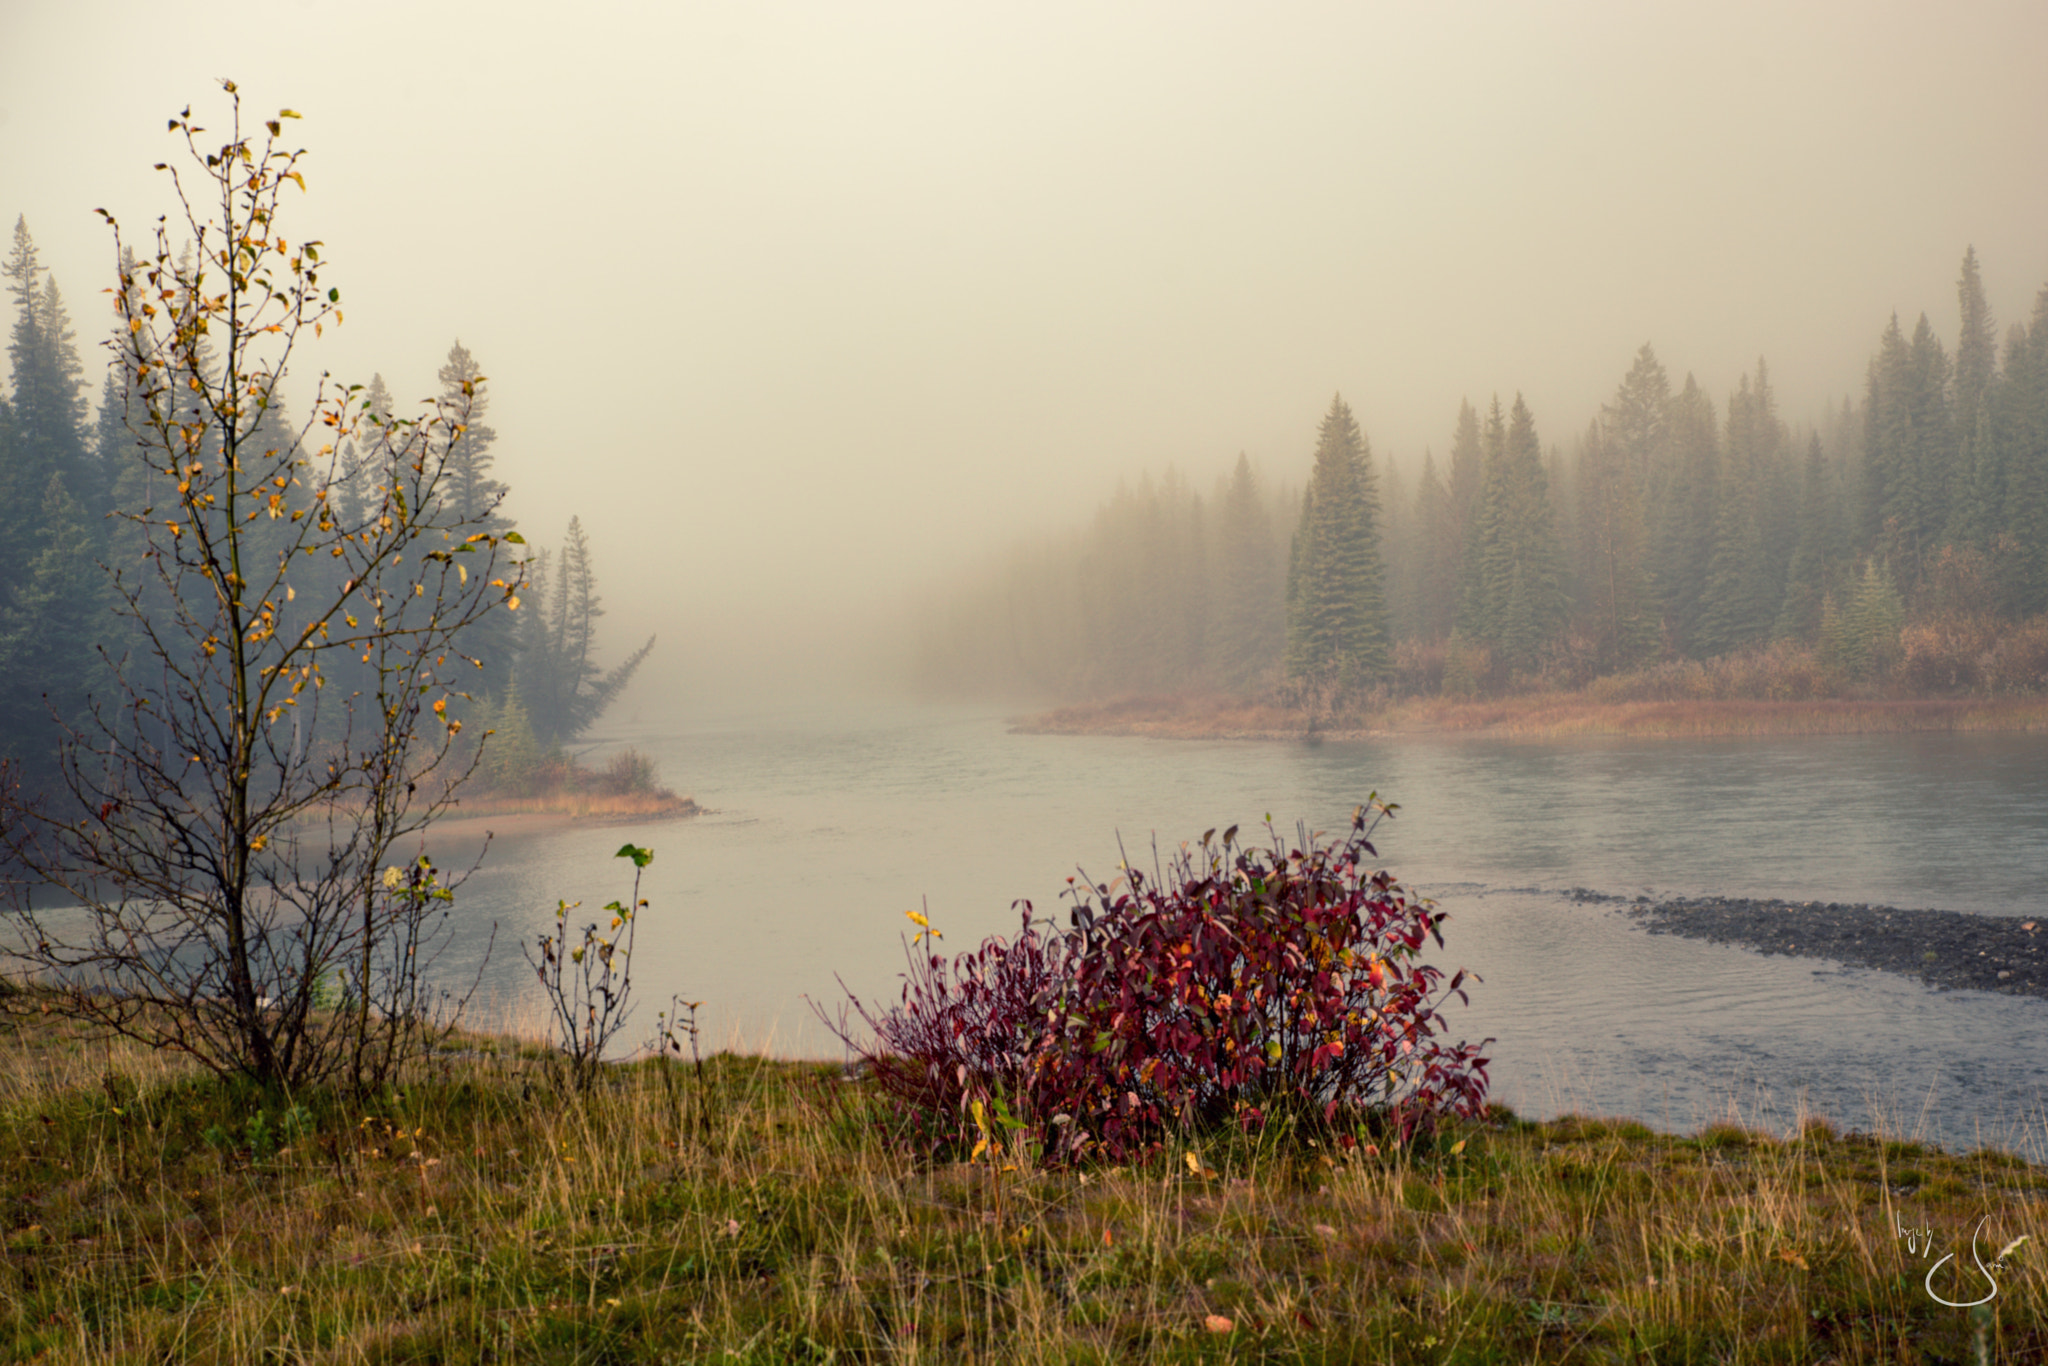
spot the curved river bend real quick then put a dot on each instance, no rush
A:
(827, 825)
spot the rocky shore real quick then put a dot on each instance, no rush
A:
(1945, 949)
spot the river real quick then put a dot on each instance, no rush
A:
(827, 824)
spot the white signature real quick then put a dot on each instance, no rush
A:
(1921, 1241)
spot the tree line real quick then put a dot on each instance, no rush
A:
(1901, 537)
(71, 488)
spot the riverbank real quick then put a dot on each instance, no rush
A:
(762, 1211)
(567, 806)
(1945, 949)
(1536, 716)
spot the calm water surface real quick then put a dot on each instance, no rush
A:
(829, 824)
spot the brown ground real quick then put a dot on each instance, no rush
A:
(1537, 716)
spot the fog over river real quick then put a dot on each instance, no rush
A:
(826, 825)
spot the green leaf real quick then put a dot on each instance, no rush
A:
(641, 857)
(334, 296)
(514, 538)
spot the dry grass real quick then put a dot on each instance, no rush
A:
(761, 1213)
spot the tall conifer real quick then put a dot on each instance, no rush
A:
(1337, 617)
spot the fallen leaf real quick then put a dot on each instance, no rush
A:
(1216, 1323)
(1324, 1231)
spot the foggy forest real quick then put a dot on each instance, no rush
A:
(1088, 683)
(1682, 545)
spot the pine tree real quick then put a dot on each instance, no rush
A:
(1434, 552)
(2023, 434)
(1638, 425)
(49, 631)
(1250, 629)
(1337, 614)
(1909, 450)
(470, 457)
(1739, 604)
(48, 400)
(1614, 586)
(472, 492)
(559, 682)
(1973, 496)
(1685, 523)
(1516, 601)
(1811, 566)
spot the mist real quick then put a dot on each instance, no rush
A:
(800, 308)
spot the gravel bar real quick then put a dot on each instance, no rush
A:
(1945, 949)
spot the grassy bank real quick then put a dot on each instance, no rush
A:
(760, 1213)
(1540, 716)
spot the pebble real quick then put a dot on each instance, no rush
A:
(1946, 949)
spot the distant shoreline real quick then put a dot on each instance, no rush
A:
(1535, 716)
(541, 815)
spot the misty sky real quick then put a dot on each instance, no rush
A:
(800, 306)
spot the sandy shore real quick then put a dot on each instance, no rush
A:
(461, 823)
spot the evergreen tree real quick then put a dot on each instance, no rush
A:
(473, 493)
(49, 629)
(1614, 583)
(1862, 639)
(1251, 627)
(1434, 552)
(2023, 434)
(1396, 562)
(1337, 614)
(1517, 602)
(559, 681)
(1638, 424)
(1685, 524)
(1467, 476)
(1909, 450)
(1739, 604)
(1973, 498)
(48, 401)
(1812, 563)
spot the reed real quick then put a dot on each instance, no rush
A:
(482, 1211)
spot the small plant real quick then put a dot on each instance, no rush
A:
(590, 986)
(1240, 986)
(259, 1137)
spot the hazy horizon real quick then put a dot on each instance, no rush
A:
(799, 308)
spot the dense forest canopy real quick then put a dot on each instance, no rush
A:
(1897, 539)
(69, 468)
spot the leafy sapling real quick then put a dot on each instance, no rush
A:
(590, 986)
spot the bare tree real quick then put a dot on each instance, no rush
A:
(221, 879)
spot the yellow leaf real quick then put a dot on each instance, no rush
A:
(1194, 1164)
(1457, 1147)
(512, 603)
(917, 918)
(256, 845)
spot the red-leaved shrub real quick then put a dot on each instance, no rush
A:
(1242, 985)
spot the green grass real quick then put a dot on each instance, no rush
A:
(480, 1213)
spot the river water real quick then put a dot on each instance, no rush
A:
(828, 824)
